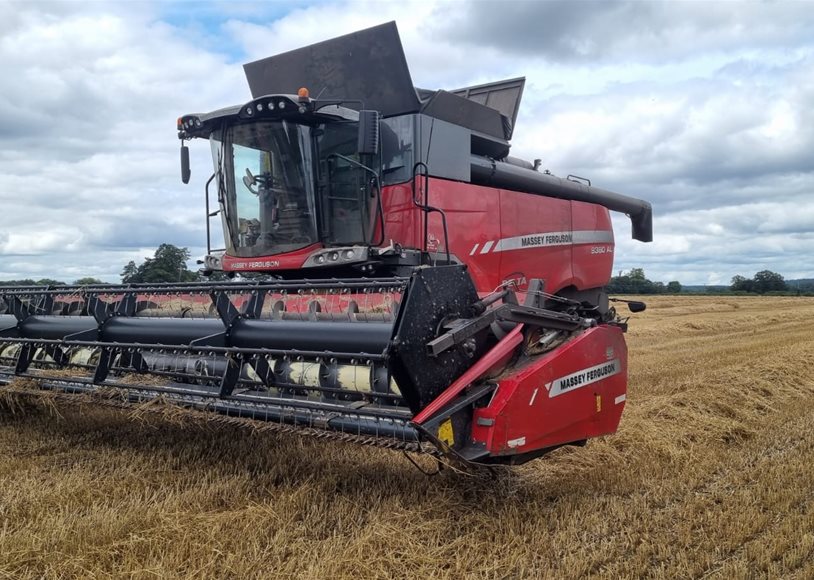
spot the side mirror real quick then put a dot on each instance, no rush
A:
(368, 143)
(249, 180)
(636, 306)
(185, 171)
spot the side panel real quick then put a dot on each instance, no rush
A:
(503, 234)
(535, 239)
(593, 245)
(570, 394)
(473, 218)
(401, 218)
(498, 234)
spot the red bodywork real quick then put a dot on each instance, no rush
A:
(498, 234)
(287, 261)
(569, 394)
(503, 235)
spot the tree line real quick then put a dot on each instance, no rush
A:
(50, 282)
(169, 264)
(764, 282)
(761, 283)
(635, 282)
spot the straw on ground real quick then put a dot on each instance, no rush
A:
(710, 474)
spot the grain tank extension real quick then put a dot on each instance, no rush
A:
(424, 289)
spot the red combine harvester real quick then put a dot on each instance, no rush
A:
(424, 290)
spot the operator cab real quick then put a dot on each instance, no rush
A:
(291, 174)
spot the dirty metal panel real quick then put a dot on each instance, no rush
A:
(368, 65)
(503, 96)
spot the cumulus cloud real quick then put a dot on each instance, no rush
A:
(629, 30)
(719, 145)
(435, 60)
(88, 152)
(704, 132)
(701, 108)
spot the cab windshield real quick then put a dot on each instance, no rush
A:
(283, 189)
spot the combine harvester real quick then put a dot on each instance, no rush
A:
(425, 290)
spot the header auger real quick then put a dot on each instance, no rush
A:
(424, 290)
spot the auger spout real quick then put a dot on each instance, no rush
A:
(487, 171)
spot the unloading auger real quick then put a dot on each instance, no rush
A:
(423, 288)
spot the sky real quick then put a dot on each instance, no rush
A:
(705, 109)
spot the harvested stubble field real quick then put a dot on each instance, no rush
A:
(711, 474)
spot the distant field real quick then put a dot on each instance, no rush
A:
(710, 475)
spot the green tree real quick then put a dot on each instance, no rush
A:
(87, 281)
(741, 284)
(168, 264)
(637, 275)
(763, 282)
(25, 282)
(634, 282)
(768, 281)
(50, 282)
(674, 287)
(129, 272)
